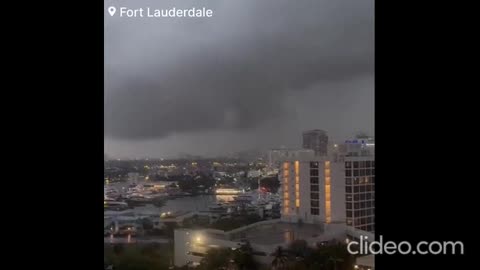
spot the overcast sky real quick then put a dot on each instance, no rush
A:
(255, 75)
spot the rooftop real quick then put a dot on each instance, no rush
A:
(275, 232)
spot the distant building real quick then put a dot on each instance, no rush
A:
(254, 173)
(317, 140)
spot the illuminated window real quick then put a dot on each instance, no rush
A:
(285, 187)
(297, 184)
(328, 207)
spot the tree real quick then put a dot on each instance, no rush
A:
(118, 249)
(280, 261)
(216, 258)
(133, 258)
(243, 257)
(300, 248)
(332, 257)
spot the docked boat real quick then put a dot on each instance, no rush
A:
(111, 204)
(137, 199)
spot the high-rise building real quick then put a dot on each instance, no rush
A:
(338, 188)
(359, 162)
(317, 140)
(313, 191)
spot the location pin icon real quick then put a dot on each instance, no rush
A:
(112, 10)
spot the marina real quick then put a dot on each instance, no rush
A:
(127, 207)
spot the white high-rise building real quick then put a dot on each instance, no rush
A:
(313, 191)
(338, 188)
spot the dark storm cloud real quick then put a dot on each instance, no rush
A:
(232, 71)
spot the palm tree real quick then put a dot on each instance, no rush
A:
(280, 260)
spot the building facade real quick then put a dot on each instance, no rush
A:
(312, 191)
(359, 160)
(339, 188)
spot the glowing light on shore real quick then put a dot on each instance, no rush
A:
(227, 191)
